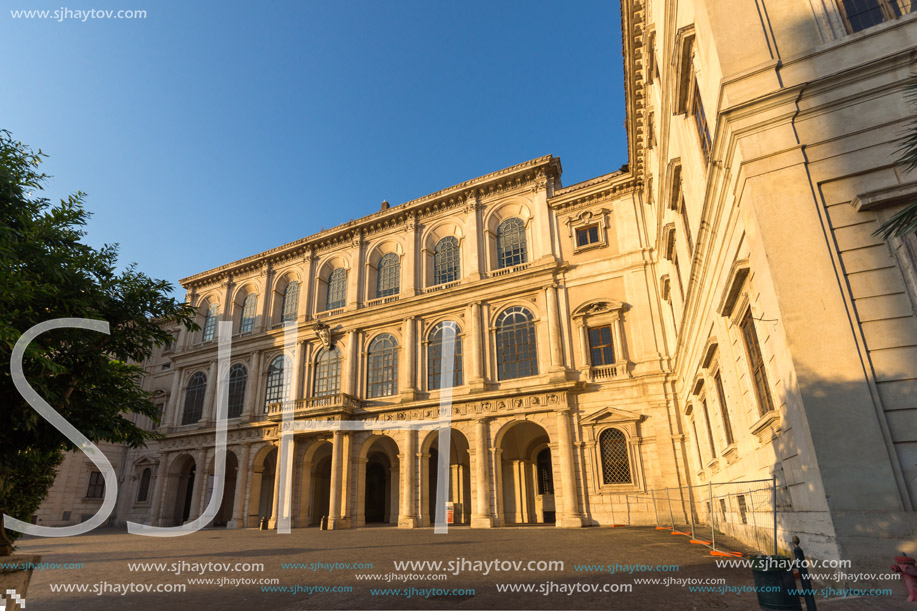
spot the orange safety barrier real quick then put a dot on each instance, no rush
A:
(715, 552)
(663, 528)
(701, 542)
(678, 532)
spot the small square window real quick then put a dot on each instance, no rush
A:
(587, 235)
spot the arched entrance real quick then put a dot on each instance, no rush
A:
(527, 493)
(261, 488)
(378, 503)
(224, 514)
(320, 498)
(458, 484)
(183, 475)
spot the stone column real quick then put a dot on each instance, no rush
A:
(476, 354)
(251, 387)
(200, 472)
(355, 275)
(159, 491)
(346, 481)
(210, 394)
(170, 416)
(519, 491)
(351, 359)
(238, 503)
(617, 336)
(409, 265)
(205, 481)
(267, 293)
(481, 516)
(275, 500)
(227, 299)
(474, 258)
(571, 516)
(407, 517)
(542, 220)
(554, 339)
(337, 478)
(406, 373)
(299, 372)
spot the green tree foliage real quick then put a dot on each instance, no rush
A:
(91, 379)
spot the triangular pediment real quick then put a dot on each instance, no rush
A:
(611, 414)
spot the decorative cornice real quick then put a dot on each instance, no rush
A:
(515, 178)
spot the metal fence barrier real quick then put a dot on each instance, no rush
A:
(743, 510)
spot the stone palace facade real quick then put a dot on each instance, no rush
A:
(718, 310)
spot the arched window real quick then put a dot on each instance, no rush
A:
(143, 490)
(238, 376)
(446, 264)
(210, 322)
(327, 373)
(516, 353)
(389, 275)
(436, 356)
(511, 248)
(278, 381)
(290, 302)
(337, 289)
(248, 313)
(545, 472)
(382, 370)
(615, 462)
(194, 398)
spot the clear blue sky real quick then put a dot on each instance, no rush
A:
(210, 131)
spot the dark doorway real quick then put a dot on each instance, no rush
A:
(189, 492)
(375, 492)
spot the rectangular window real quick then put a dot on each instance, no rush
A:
(683, 210)
(723, 509)
(756, 364)
(700, 121)
(700, 459)
(600, 346)
(709, 429)
(743, 508)
(587, 235)
(724, 410)
(861, 14)
(96, 486)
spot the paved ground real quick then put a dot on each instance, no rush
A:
(105, 555)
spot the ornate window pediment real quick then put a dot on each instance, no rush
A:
(588, 229)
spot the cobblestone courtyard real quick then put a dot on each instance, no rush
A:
(105, 555)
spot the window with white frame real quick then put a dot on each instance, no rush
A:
(210, 322)
(194, 398)
(238, 376)
(446, 261)
(388, 275)
(517, 355)
(382, 367)
(247, 322)
(436, 355)
(337, 289)
(327, 373)
(277, 388)
(511, 243)
(290, 301)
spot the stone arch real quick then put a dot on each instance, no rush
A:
(378, 490)
(458, 489)
(182, 482)
(520, 498)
